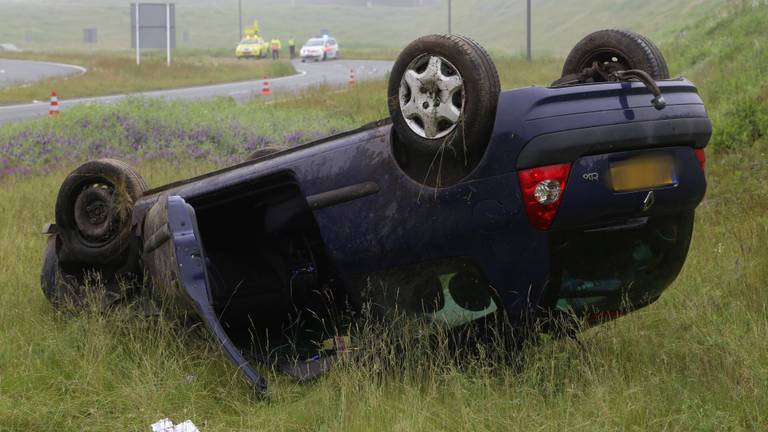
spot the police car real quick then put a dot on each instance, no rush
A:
(320, 48)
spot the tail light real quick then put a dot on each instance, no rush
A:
(543, 190)
(702, 157)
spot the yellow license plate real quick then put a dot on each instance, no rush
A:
(646, 172)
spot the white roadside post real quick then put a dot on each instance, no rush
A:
(138, 49)
(168, 32)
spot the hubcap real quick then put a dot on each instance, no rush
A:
(431, 96)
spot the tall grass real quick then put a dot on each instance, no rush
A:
(696, 360)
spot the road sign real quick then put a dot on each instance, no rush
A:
(156, 26)
(152, 25)
(90, 35)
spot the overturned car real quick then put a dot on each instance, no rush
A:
(467, 203)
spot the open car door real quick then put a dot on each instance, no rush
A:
(176, 260)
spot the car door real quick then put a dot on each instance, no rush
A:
(334, 48)
(176, 261)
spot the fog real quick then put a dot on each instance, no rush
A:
(358, 24)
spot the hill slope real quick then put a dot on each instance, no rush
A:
(498, 24)
(727, 57)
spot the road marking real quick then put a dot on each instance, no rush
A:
(80, 68)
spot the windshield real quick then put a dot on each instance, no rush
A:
(250, 41)
(314, 42)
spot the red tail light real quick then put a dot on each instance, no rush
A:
(702, 157)
(543, 190)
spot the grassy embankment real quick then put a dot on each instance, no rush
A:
(44, 25)
(117, 72)
(697, 360)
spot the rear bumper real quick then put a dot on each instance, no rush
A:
(567, 146)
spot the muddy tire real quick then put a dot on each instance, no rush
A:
(442, 97)
(94, 208)
(626, 49)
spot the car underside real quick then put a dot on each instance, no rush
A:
(575, 200)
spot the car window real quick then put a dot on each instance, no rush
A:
(314, 42)
(332, 41)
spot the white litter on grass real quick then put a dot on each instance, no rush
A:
(187, 426)
(162, 425)
(166, 425)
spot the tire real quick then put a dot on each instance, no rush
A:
(94, 208)
(434, 151)
(664, 68)
(262, 152)
(630, 50)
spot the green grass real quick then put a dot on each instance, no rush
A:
(696, 361)
(117, 73)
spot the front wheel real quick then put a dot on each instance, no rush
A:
(442, 97)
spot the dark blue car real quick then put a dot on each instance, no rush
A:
(576, 199)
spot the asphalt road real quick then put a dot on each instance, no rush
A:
(333, 73)
(15, 72)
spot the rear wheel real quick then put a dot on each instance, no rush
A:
(442, 97)
(616, 50)
(94, 208)
(94, 251)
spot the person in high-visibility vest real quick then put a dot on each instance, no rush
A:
(276, 45)
(292, 47)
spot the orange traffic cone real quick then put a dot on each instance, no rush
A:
(53, 111)
(266, 91)
(352, 80)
